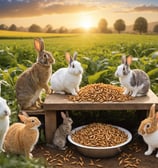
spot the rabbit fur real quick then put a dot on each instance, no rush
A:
(148, 129)
(67, 80)
(136, 82)
(4, 120)
(60, 135)
(22, 137)
(31, 82)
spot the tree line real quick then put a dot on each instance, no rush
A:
(140, 25)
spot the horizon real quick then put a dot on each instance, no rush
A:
(75, 14)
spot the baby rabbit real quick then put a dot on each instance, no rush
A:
(34, 79)
(22, 137)
(59, 138)
(4, 121)
(136, 82)
(67, 79)
(149, 130)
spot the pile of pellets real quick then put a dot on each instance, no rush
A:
(100, 92)
(99, 135)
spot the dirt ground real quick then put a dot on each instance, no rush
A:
(131, 157)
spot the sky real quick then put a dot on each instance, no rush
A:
(75, 13)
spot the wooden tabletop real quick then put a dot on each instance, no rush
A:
(61, 102)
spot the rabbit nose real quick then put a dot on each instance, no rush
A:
(80, 71)
(6, 113)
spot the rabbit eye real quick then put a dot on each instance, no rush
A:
(73, 66)
(33, 121)
(45, 55)
(148, 126)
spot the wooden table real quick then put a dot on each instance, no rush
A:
(57, 102)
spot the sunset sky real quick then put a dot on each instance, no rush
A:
(75, 13)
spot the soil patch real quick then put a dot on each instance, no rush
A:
(131, 157)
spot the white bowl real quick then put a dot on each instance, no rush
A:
(100, 152)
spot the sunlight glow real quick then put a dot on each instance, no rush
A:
(86, 22)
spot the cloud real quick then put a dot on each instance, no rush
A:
(30, 8)
(142, 8)
(145, 8)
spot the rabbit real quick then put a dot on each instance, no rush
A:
(136, 81)
(31, 82)
(60, 135)
(4, 121)
(148, 129)
(67, 80)
(22, 137)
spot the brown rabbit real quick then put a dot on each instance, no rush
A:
(34, 79)
(22, 137)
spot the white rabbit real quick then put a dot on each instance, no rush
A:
(4, 121)
(149, 130)
(67, 79)
(136, 82)
(59, 137)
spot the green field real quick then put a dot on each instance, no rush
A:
(100, 54)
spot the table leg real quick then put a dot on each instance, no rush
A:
(50, 125)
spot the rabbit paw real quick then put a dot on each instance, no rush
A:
(74, 93)
(63, 148)
(148, 152)
(2, 150)
(30, 155)
(48, 91)
(126, 92)
(134, 94)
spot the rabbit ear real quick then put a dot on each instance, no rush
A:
(152, 111)
(23, 118)
(68, 57)
(63, 115)
(75, 55)
(124, 59)
(129, 60)
(39, 44)
(24, 113)
(156, 116)
(67, 114)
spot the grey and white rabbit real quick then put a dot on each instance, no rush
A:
(60, 135)
(4, 121)
(136, 81)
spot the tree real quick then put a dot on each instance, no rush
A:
(140, 25)
(3, 27)
(155, 30)
(12, 27)
(48, 29)
(35, 28)
(119, 25)
(102, 26)
(63, 30)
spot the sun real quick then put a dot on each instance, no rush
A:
(86, 22)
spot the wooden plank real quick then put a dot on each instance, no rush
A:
(61, 102)
(50, 125)
(34, 112)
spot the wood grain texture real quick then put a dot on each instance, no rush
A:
(61, 102)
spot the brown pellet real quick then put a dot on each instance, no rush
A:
(100, 92)
(95, 134)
